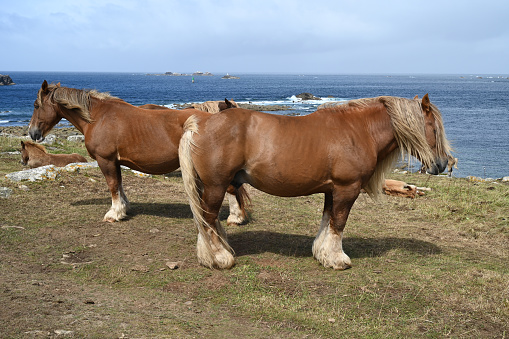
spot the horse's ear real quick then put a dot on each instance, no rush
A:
(58, 85)
(426, 104)
(44, 86)
(416, 97)
(228, 103)
(22, 144)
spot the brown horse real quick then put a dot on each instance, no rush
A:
(35, 155)
(207, 106)
(152, 106)
(215, 106)
(336, 151)
(117, 133)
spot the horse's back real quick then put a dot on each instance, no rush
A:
(61, 160)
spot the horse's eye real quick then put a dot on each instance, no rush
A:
(36, 106)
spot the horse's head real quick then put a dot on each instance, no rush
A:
(227, 104)
(435, 136)
(230, 103)
(45, 115)
(24, 154)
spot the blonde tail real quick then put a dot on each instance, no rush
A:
(210, 254)
(188, 173)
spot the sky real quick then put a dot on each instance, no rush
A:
(256, 36)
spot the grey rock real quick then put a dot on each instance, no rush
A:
(307, 96)
(76, 138)
(6, 80)
(49, 172)
(5, 192)
(49, 139)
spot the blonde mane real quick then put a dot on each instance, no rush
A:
(74, 99)
(212, 106)
(407, 120)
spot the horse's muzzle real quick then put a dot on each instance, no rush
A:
(36, 134)
(438, 166)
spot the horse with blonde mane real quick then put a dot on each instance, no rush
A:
(336, 151)
(215, 106)
(118, 133)
(35, 155)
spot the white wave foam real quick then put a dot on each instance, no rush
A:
(293, 101)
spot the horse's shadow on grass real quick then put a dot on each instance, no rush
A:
(164, 210)
(256, 242)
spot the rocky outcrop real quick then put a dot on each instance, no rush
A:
(51, 172)
(228, 76)
(6, 80)
(198, 73)
(307, 96)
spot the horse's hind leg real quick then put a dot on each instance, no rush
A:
(328, 244)
(237, 213)
(212, 247)
(119, 202)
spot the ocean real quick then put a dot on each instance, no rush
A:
(475, 108)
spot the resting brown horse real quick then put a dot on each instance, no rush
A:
(35, 155)
(336, 151)
(117, 133)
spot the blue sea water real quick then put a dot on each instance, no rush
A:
(475, 108)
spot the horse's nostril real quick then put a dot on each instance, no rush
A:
(36, 135)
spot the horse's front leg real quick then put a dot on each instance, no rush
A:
(212, 247)
(119, 201)
(328, 244)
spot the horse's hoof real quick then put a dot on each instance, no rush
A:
(114, 216)
(235, 221)
(342, 267)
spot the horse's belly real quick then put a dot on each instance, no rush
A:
(287, 185)
(151, 166)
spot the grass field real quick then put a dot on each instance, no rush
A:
(435, 266)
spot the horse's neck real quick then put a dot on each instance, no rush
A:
(75, 119)
(96, 107)
(37, 151)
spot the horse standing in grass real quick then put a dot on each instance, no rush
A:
(117, 133)
(336, 151)
(35, 155)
